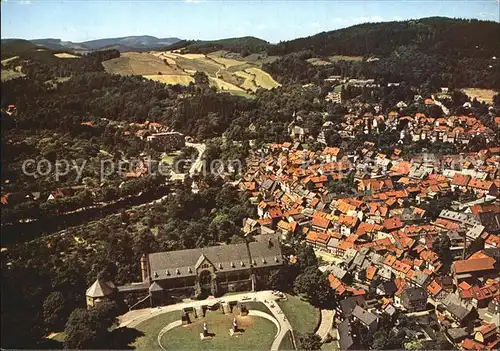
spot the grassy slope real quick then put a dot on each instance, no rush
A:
(286, 344)
(263, 79)
(8, 74)
(227, 74)
(151, 328)
(302, 315)
(481, 95)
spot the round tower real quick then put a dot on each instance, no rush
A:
(144, 268)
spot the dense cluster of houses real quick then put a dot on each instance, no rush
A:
(378, 237)
(451, 129)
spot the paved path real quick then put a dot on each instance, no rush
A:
(198, 163)
(328, 257)
(133, 318)
(327, 319)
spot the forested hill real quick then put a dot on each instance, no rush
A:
(11, 47)
(433, 35)
(243, 45)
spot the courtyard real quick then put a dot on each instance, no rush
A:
(269, 323)
(255, 331)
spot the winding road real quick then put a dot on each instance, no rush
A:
(132, 318)
(198, 163)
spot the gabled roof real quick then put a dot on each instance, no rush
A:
(367, 318)
(155, 287)
(227, 258)
(320, 222)
(434, 288)
(473, 265)
(414, 294)
(201, 259)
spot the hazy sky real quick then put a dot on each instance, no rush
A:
(77, 20)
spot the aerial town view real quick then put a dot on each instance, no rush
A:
(250, 175)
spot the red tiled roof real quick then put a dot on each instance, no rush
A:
(469, 344)
(393, 223)
(312, 236)
(275, 212)
(460, 179)
(323, 238)
(479, 184)
(348, 221)
(473, 265)
(320, 222)
(389, 260)
(434, 288)
(370, 272)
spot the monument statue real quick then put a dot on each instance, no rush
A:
(235, 324)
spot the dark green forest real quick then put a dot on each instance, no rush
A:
(436, 51)
(433, 36)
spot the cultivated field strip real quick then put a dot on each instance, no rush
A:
(226, 74)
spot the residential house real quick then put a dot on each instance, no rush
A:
(471, 269)
(487, 332)
(414, 299)
(367, 319)
(387, 288)
(348, 339)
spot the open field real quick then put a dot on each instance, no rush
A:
(193, 56)
(8, 74)
(258, 332)
(10, 59)
(263, 79)
(163, 56)
(222, 85)
(133, 63)
(226, 62)
(226, 71)
(302, 315)
(345, 58)
(65, 55)
(171, 79)
(481, 95)
(318, 62)
(210, 68)
(249, 80)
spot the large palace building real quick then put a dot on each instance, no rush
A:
(211, 270)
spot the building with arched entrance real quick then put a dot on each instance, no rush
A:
(167, 276)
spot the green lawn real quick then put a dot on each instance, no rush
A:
(302, 315)
(240, 93)
(286, 343)
(59, 337)
(169, 158)
(258, 334)
(8, 74)
(331, 346)
(151, 328)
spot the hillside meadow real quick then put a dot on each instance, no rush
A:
(226, 71)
